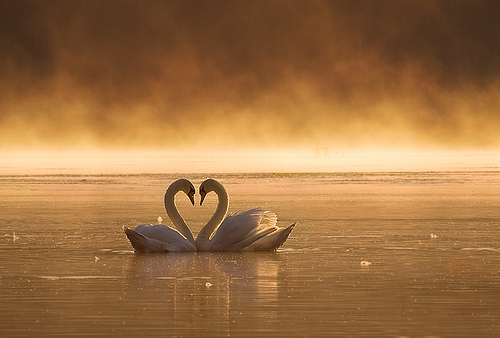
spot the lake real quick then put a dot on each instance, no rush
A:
(407, 253)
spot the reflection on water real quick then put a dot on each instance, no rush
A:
(198, 290)
(431, 238)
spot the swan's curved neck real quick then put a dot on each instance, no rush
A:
(217, 217)
(175, 216)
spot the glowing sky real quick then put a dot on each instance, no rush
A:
(264, 74)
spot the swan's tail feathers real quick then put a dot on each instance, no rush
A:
(283, 234)
(142, 243)
(254, 237)
(271, 241)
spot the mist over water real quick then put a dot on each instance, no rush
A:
(273, 74)
(319, 159)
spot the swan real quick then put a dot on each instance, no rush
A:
(161, 238)
(251, 230)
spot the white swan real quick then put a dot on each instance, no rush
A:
(251, 230)
(161, 238)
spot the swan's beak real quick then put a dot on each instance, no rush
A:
(203, 194)
(191, 196)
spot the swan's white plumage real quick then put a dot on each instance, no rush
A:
(157, 238)
(251, 230)
(161, 238)
(272, 240)
(241, 229)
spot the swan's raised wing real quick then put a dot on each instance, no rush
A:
(243, 228)
(271, 241)
(235, 228)
(267, 226)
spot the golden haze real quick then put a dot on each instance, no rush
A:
(204, 77)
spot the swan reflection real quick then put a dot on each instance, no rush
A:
(195, 290)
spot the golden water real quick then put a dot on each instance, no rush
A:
(432, 239)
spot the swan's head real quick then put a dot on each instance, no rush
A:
(190, 193)
(203, 193)
(182, 185)
(207, 186)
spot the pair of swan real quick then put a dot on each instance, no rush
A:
(251, 230)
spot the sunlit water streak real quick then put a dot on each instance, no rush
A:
(67, 268)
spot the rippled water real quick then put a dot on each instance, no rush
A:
(388, 254)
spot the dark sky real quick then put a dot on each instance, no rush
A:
(249, 73)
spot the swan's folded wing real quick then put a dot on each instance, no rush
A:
(141, 243)
(160, 232)
(235, 228)
(158, 238)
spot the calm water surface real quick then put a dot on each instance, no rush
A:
(429, 242)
